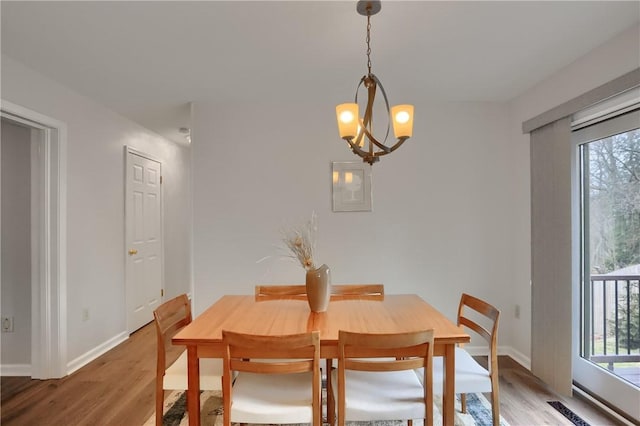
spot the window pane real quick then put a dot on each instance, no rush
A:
(611, 209)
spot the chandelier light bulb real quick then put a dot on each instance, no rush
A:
(346, 117)
(402, 117)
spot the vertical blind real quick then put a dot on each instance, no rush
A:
(551, 171)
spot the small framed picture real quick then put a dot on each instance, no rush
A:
(351, 187)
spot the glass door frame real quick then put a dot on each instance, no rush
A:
(603, 385)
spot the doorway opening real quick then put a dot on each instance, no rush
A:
(48, 239)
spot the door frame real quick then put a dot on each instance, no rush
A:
(130, 150)
(48, 241)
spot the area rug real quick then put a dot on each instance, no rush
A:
(478, 412)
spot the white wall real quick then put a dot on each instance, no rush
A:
(613, 59)
(16, 244)
(442, 204)
(95, 205)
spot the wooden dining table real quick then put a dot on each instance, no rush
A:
(247, 314)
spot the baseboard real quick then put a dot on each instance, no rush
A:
(22, 370)
(502, 350)
(94, 353)
(516, 355)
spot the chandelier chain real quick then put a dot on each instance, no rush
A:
(369, 42)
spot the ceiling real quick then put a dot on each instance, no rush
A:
(148, 60)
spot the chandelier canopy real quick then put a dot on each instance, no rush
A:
(357, 130)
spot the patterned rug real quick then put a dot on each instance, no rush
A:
(478, 412)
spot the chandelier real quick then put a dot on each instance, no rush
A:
(358, 131)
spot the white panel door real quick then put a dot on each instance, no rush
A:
(143, 239)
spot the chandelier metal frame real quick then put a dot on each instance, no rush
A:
(356, 138)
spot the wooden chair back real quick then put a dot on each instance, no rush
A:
(271, 292)
(338, 292)
(170, 317)
(485, 309)
(357, 291)
(386, 352)
(296, 353)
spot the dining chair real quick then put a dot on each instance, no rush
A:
(375, 379)
(171, 317)
(278, 378)
(470, 376)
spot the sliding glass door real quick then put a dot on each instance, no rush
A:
(607, 362)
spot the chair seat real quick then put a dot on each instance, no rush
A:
(370, 395)
(272, 398)
(471, 377)
(210, 374)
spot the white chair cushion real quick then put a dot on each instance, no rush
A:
(471, 377)
(175, 377)
(272, 398)
(393, 395)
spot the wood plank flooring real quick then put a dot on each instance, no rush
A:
(118, 389)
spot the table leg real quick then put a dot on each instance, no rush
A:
(331, 410)
(449, 397)
(193, 392)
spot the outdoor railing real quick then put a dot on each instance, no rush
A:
(614, 314)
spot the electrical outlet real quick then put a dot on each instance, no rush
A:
(7, 324)
(85, 314)
(517, 312)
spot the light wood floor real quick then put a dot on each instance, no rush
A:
(118, 389)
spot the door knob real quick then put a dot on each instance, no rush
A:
(132, 252)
